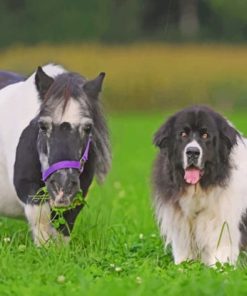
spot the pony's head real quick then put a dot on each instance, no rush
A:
(70, 117)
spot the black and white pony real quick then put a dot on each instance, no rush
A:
(47, 123)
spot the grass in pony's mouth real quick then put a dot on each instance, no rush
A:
(42, 195)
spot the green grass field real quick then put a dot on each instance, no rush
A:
(116, 248)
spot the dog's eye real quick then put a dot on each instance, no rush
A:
(204, 136)
(184, 135)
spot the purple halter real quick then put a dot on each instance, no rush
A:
(68, 164)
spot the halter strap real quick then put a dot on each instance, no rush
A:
(68, 164)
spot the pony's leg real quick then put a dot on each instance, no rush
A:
(39, 218)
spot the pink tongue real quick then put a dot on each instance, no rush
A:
(192, 176)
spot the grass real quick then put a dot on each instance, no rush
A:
(148, 76)
(115, 249)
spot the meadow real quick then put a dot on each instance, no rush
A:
(116, 248)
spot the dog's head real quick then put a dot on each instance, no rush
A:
(198, 142)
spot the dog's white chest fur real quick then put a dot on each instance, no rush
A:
(194, 202)
(199, 229)
(201, 222)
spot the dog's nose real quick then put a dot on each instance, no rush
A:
(193, 153)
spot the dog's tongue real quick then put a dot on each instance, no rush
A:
(192, 176)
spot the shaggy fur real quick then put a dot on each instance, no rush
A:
(193, 216)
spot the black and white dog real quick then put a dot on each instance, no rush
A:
(200, 186)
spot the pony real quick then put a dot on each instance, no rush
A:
(52, 133)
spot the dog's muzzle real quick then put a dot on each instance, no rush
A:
(192, 163)
(192, 154)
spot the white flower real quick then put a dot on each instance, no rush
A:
(21, 248)
(7, 239)
(61, 279)
(138, 280)
(118, 269)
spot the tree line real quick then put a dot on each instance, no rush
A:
(58, 21)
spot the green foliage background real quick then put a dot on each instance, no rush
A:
(59, 21)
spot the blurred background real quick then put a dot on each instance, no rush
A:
(158, 55)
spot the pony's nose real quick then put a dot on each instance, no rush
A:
(193, 153)
(63, 186)
(61, 201)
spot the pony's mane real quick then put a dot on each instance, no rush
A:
(101, 136)
(69, 85)
(65, 86)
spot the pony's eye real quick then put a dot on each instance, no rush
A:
(87, 128)
(204, 136)
(184, 135)
(43, 127)
(45, 124)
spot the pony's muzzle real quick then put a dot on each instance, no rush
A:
(60, 200)
(63, 186)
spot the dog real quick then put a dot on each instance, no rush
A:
(200, 186)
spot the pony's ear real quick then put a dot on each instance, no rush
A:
(164, 133)
(42, 82)
(93, 87)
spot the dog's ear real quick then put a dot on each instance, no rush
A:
(228, 134)
(164, 133)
